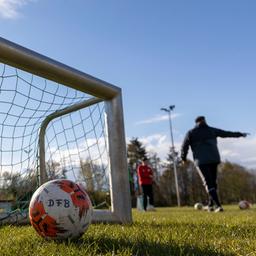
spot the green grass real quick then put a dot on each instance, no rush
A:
(168, 231)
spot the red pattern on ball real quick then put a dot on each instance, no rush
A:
(77, 194)
(44, 224)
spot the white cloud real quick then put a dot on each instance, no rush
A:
(242, 150)
(157, 119)
(9, 9)
(158, 143)
(93, 149)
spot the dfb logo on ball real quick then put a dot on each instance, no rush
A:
(60, 209)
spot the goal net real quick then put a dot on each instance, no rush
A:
(57, 122)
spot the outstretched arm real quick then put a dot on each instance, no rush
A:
(185, 147)
(228, 134)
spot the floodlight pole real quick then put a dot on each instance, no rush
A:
(169, 110)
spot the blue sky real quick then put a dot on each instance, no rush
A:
(198, 55)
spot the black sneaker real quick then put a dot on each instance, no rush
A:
(219, 209)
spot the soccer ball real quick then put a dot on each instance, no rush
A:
(60, 209)
(243, 205)
(198, 206)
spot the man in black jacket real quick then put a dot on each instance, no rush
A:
(203, 141)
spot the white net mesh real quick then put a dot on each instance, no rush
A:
(76, 143)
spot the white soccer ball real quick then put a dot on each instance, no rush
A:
(60, 209)
(244, 205)
(198, 206)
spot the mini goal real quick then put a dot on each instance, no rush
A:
(58, 122)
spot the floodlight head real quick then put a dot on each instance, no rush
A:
(165, 109)
(171, 107)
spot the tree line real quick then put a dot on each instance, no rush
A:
(235, 182)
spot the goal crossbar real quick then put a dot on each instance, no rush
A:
(37, 64)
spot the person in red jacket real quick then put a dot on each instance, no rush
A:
(145, 175)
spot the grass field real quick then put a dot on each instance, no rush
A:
(168, 231)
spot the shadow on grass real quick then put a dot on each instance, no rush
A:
(103, 245)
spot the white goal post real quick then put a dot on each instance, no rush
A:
(29, 61)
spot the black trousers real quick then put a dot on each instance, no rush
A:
(147, 192)
(208, 174)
